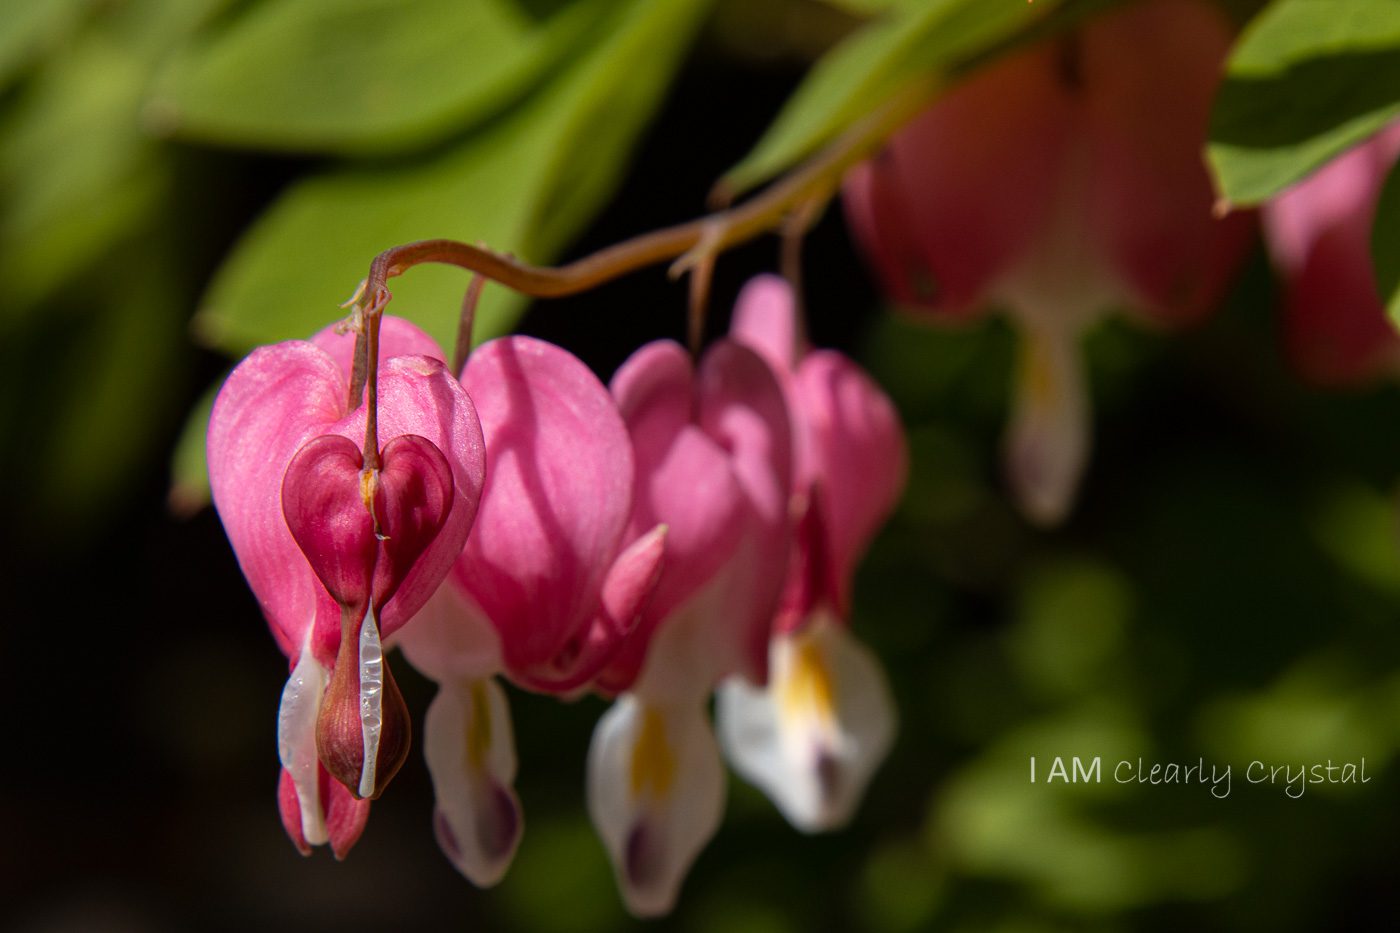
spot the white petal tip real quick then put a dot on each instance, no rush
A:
(1043, 482)
(470, 749)
(649, 883)
(1047, 440)
(656, 795)
(484, 848)
(813, 738)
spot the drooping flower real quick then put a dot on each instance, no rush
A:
(714, 461)
(1061, 182)
(813, 736)
(340, 557)
(549, 583)
(1319, 234)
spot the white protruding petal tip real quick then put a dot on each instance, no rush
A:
(813, 738)
(656, 795)
(470, 750)
(296, 740)
(1047, 440)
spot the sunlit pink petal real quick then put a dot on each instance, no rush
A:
(765, 320)
(714, 463)
(855, 444)
(272, 404)
(557, 500)
(684, 480)
(1060, 182)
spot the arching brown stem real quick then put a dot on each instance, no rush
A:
(689, 245)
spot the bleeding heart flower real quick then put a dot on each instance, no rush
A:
(549, 584)
(714, 462)
(814, 735)
(1319, 234)
(1061, 181)
(468, 740)
(552, 566)
(340, 557)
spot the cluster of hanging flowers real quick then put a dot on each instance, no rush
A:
(1066, 181)
(1061, 183)
(692, 527)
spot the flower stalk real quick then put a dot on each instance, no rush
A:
(689, 245)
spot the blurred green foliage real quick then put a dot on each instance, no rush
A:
(96, 290)
(524, 184)
(1217, 597)
(913, 39)
(502, 122)
(361, 76)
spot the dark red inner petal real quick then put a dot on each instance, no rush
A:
(325, 512)
(413, 499)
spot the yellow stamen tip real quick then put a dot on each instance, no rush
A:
(653, 762)
(806, 688)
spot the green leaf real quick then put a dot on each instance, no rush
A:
(1308, 80)
(360, 75)
(862, 7)
(30, 27)
(189, 462)
(77, 171)
(873, 63)
(1385, 244)
(525, 185)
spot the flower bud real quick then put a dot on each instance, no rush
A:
(362, 708)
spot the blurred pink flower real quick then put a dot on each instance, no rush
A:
(714, 466)
(814, 735)
(1060, 182)
(332, 576)
(1319, 234)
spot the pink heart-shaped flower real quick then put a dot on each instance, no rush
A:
(357, 553)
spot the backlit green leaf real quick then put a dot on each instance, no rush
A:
(1309, 79)
(523, 185)
(360, 75)
(929, 37)
(78, 171)
(30, 26)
